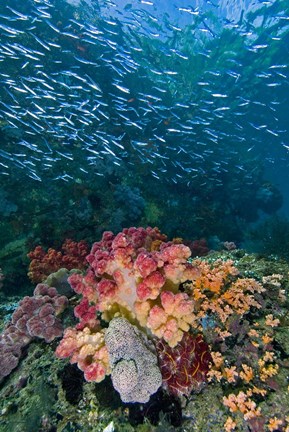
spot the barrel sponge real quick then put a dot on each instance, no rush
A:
(135, 372)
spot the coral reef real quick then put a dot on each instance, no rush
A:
(127, 277)
(163, 326)
(154, 284)
(242, 345)
(170, 297)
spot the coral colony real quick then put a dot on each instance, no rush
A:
(35, 317)
(72, 256)
(152, 317)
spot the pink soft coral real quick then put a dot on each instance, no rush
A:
(129, 275)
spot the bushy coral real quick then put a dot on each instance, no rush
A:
(11, 345)
(125, 276)
(86, 348)
(135, 274)
(35, 317)
(219, 292)
(71, 256)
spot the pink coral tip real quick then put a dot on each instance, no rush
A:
(120, 241)
(175, 252)
(67, 345)
(168, 301)
(106, 289)
(76, 282)
(156, 318)
(94, 372)
(86, 313)
(151, 286)
(145, 264)
(123, 256)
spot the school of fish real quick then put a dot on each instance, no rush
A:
(186, 94)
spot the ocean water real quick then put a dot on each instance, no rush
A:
(118, 113)
(184, 105)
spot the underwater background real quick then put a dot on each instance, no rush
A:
(143, 113)
(120, 114)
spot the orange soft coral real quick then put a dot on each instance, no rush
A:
(247, 373)
(274, 424)
(214, 275)
(243, 403)
(230, 425)
(217, 291)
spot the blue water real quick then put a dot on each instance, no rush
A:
(117, 113)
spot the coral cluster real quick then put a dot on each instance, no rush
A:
(219, 293)
(151, 316)
(87, 348)
(127, 277)
(179, 303)
(135, 274)
(35, 317)
(71, 256)
(242, 351)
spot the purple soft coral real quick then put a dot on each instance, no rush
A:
(35, 317)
